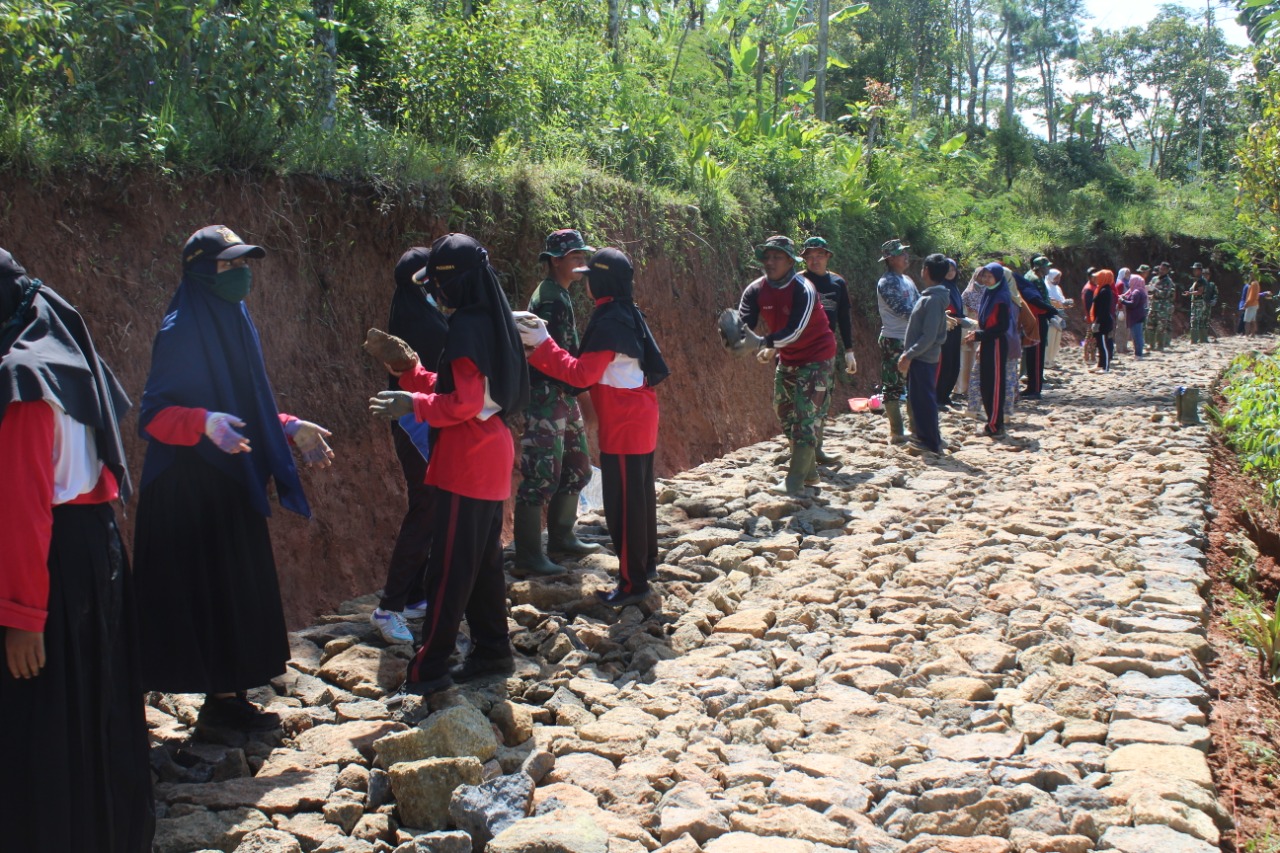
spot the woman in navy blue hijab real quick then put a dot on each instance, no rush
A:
(995, 319)
(210, 611)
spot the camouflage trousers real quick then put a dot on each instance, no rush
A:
(553, 449)
(800, 397)
(1199, 322)
(892, 383)
(1160, 324)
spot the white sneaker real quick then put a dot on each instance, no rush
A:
(391, 626)
(416, 611)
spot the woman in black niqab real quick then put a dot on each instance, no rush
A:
(73, 736)
(481, 327)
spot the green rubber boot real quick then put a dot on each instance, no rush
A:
(530, 558)
(893, 408)
(803, 465)
(562, 513)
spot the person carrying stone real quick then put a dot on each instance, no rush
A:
(1253, 295)
(481, 381)
(211, 615)
(833, 293)
(620, 363)
(73, 734)
(554, 463)
(799, 339)
(417, 321)
(896, 295)
(925, 335)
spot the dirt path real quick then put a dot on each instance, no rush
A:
(1000, 650)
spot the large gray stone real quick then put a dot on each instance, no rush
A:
(199, 829)
(485, 810)
(423, 788)
(560, 831)
(1152, 839)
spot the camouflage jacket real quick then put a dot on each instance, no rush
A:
(553, 303)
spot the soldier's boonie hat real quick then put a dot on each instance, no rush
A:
(778, 242)
(1197, 266)
(217, 243)
(1145, 268)
(562, 242)
(892, 248)
(1041, 261)
(815, 243)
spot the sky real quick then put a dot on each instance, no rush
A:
(1117, 14)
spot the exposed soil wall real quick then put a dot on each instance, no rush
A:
(112, 248)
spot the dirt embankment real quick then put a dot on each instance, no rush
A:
(112, 248)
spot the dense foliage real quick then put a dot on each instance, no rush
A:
(919, 130)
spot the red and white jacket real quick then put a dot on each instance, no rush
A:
(626, 406)
(49, 459)
(474, 452)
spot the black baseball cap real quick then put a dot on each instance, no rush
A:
(412, 266)
(608, 267)
(217, 243)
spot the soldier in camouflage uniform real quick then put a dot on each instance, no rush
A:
(896, 295)
(798, 339)
(1162, 292)
(553, 451)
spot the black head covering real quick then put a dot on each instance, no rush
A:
(413, 317)
(46, 353)
(481, 327)
(616, 324)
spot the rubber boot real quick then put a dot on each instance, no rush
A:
(528, 541)
(802, 461)
(562, 513)
(822, 456)
(893, 408)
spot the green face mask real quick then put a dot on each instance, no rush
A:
(233, 285)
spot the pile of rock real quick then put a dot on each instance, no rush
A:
(996, 652)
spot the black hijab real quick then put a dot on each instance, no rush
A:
(46, 353)
(413, 318)
(481, 327)
(616, 324)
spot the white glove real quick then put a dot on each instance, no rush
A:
(765, 355)
(532, 329)
(220, 428)
(850, 362)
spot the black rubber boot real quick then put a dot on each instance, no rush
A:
(530, 558)
(562, 514)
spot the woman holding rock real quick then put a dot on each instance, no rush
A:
(620, 363)
(212, 620)
(481, 381)
(73, 737)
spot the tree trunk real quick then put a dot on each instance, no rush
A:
(820, 87)
(327, 37)
(615, 27)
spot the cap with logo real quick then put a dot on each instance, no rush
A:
(609, 268)
(217, 243)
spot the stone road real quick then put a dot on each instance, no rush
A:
(998, 650)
